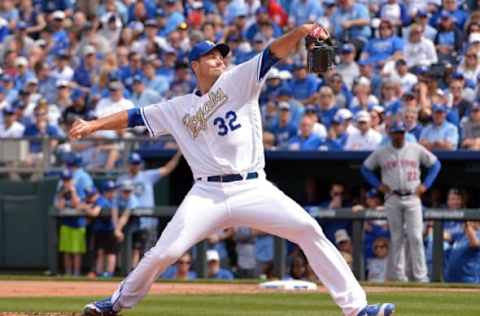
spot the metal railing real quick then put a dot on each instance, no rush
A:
(43, 155)
(438, 216)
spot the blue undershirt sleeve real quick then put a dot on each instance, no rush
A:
(432, 174)
(268, 60)
(370, 176)
(135, 118)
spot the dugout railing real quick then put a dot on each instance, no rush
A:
(438, 216)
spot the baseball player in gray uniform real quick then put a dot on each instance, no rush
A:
(218, 129)
(400, 162)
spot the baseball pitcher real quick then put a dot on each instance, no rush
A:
(218, 129)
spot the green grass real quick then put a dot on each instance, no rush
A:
(264, 304)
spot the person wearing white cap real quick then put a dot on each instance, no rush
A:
(363, 98)
(62, 69)
(419, 46)
(346, 116)
(115, 102)
(470, 65)
(23, 72)
(214, 271)
(365, 138)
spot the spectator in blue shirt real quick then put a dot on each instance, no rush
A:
(181, 269)
(41, 128)
(303, 85)
(343, 95)
(81, 178)
(284, 130)
(464, 261)
(214, 271)
(304, 11)
(72, 235)
(449, 39)
(327, 107)
(103, 227)
(153, 81)
(47, 84)
(183, 82)
(439, 135)
(261, 16)
(142, 96)
(387, 46)
(60, 38)
(87, 72)
(133, 68)
(173, 15)
(23, 73)
(451, 7)
(351, 21)
(284, 94)
(410, 119)
(306, 139)
(145, 234)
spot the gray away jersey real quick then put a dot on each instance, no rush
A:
(400, 167)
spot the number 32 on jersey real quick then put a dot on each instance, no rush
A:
(226, 124)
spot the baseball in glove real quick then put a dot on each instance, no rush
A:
(320, 54)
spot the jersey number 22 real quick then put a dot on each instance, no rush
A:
(227, 124)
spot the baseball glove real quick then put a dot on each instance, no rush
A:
(320, 54)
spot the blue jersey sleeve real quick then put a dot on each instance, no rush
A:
(267, 62)
(135, 118)
(432, 174)
(370, 177)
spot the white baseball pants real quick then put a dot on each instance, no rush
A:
(255, 203)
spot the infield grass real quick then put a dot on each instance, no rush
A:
(263, 304)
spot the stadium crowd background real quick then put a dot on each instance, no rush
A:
(414, 61)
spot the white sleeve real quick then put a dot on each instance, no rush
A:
(157, 117)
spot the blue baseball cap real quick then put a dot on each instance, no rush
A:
(21, 26)
(397, 127)
(109, 186)
(366, 62)
(137, 78)
(422, 14)
(347, 49)
(74, 160)
(90, 191)
(77, 94)
(261, 10)
(337, 119)
(311, 109)
(438, 108)
(458, 76)
(135, 159)
(204, 47)
(373, 193)
(284, 91)
(66, 175)
(8, 111)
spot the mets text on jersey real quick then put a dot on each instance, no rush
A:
(196, 123)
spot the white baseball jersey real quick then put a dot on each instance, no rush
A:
(401, 167)
(221, 131)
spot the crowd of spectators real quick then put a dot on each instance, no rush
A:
(415, 61)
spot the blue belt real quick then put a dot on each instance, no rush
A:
(231, 177)
(403, 193)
